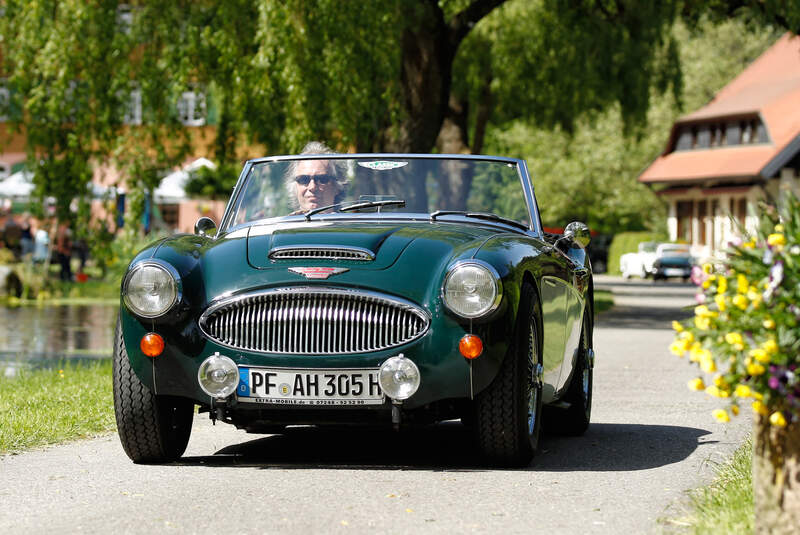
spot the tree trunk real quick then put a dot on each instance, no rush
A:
(776, 477)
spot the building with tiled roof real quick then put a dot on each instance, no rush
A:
(739, 149)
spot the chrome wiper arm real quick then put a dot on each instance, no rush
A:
(370, 204)
(480, 215)
(321, 209)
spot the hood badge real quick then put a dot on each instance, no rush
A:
(317, 272)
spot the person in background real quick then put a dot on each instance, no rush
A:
(64, 250)
(26, 239)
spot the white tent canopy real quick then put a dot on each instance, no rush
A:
(18, 185)
(171, 190)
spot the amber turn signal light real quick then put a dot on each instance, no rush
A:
(152, 344)
(470, 346)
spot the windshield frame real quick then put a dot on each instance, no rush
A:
(226, 225)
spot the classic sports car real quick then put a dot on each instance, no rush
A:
(398, 290)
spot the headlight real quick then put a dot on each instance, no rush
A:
(471, 289)
(151, 289)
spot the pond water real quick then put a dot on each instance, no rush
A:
(42, 336)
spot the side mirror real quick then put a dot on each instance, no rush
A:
(578, 233)
(205, 226)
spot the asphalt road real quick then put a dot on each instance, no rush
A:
(650, 440)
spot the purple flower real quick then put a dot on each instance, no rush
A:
(698, 276)
(700, 297)
(774, 383)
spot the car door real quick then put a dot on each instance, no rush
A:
(578, 277)
(555, 299)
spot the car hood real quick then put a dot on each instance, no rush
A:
(409, 257)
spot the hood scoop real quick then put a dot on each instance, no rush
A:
(321, 252)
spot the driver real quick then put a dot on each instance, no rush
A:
(314, 183)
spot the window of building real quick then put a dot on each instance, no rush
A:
(169, 214)
(192, 108)
(740, 210)
(133, 108)
(702, 220)
(684, 212)
(5, 102)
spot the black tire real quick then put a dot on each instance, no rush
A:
(508, 412)
(574, 420)
(152, 429)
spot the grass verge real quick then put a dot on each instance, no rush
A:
(726, 505)
(49, 406)
(603, 300)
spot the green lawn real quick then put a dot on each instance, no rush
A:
(49, 406)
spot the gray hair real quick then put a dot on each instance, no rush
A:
(314, 147)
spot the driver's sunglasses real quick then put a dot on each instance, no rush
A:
(320, 180)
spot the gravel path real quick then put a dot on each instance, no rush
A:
(650, 440)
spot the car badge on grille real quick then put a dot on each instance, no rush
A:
(317, 272)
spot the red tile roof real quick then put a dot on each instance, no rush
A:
(768, 87)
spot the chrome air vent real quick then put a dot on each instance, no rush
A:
(321, 252)
(313, 321)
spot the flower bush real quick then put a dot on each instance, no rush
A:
(744, 335)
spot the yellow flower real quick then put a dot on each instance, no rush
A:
(760, 355)
(755, 369)
(696, 384)
(734, 338)
(742, 391)
(735, 410)
(779, 228)
(776, 240)
(703, 324)
(722, 285)
(741, 283)
(677, 348)
(720, 300)
(768, 323)
(720, 381)
(757, 396)
(708, 365)
(721, 415)
(717, 392)
(707, 267)
(770, 346)
(740, 301)
(749, 244)
(777, 419)
(760, 408)
(686, 336)
(676, 326)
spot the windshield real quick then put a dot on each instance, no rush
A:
(360, 186)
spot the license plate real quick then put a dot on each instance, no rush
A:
(287, 386)
(674, 272)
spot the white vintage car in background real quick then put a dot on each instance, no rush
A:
(640, 263)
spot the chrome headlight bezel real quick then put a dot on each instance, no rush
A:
(491, 304)
(175, 283)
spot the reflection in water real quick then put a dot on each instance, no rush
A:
(31, 335)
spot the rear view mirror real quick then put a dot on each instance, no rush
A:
(578, 233)
(205, 226)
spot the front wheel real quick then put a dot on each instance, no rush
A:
(508, 415)
(152, 428)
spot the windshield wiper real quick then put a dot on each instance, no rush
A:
(480, 215)
(356, 206)
(370, 204)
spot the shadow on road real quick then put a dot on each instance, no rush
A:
(632, 317)
(449, 446)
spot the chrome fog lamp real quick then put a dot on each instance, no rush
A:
(399, 378)
(471, 289)
(151, 288)
(218, 376)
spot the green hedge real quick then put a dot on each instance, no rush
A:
(628, 242)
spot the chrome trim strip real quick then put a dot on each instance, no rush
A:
(313, 320)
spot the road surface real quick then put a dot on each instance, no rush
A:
(650, 440)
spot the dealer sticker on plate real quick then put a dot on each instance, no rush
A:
(307, 386)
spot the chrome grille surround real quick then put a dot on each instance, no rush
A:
(315, 321)
(321, 252)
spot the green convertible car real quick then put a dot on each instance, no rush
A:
(375, 289)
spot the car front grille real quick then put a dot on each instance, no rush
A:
(314, 321)
(321, 252)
